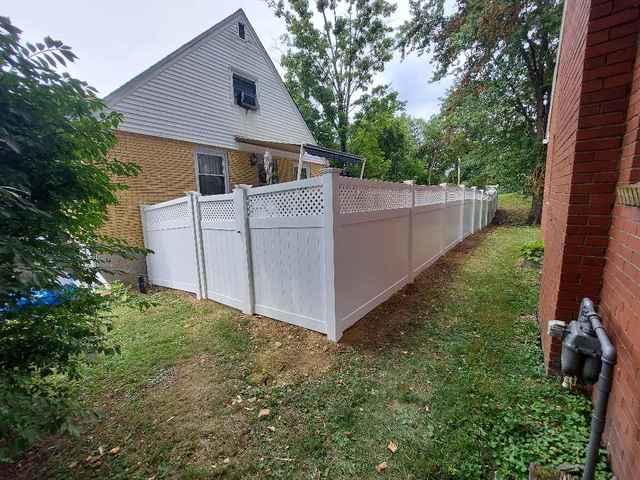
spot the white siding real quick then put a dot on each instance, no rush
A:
(190, 97)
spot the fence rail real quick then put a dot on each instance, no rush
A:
(320, 253)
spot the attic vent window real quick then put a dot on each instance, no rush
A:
(244, 92)
(241, 30)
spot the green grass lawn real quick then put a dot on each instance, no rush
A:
(449, 371)
(514, 209)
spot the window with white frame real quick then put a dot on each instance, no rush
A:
(211, 171)
(305, 171)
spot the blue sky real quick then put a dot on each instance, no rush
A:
(118, 39)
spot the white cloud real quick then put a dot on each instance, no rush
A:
(118, 39)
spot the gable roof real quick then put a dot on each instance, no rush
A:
(128, 89)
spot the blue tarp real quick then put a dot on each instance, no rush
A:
(40, 297)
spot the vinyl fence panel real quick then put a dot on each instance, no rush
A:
(319, 253)
(454, 212)
(222, 250)
(169, 233)
(371, 244)
(287, 251)
(429, 226)
(468, 212)
(478, 210)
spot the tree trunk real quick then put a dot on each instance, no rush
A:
(537, 190)
(343, 141)
(535, 213)
(537, 175)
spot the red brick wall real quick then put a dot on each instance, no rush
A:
(560, 165)
(591, 248)
(620, 303)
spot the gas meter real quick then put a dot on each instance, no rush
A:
(581, 352)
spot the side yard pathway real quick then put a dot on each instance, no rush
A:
(444, 381)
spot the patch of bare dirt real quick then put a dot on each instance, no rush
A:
(287, 354)
(31, 465)
(199, 406)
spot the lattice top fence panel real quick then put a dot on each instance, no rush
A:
(454, 194)
(217, 210)
(357, 196)
(177, 215)
(428, 195)
(470, 194)
(299, 202)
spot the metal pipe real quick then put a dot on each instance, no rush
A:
(603, 387)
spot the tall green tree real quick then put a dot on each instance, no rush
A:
(495, 145)
(381, 133)
(334, 50)
(57, 176)
(434, 147)
(511, 43)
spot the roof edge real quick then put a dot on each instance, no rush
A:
(116, 95)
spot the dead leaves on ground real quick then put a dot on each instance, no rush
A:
(393, 448)
(381, 467)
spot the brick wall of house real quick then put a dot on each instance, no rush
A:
(287, 169)
(241, 171)
(167, 171)
(592, 245)
(559, 172)
(620, 301)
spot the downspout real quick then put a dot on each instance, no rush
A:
(603, 388)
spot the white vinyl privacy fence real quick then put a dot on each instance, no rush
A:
(320, 253)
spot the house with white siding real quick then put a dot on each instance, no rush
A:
(211, 115)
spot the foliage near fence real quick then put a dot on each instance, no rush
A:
(320, 253)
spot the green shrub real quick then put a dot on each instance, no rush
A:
(41, 351)
(533, 252)
(57, 181)
(31, 405)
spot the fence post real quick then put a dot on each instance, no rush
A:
(194, 207)
(330, 179)
(145, 239)
(481, 209)
(485, 208)
(464, 194)
(242, 226)
(444, 224)
(474, 195)
(412, 200)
